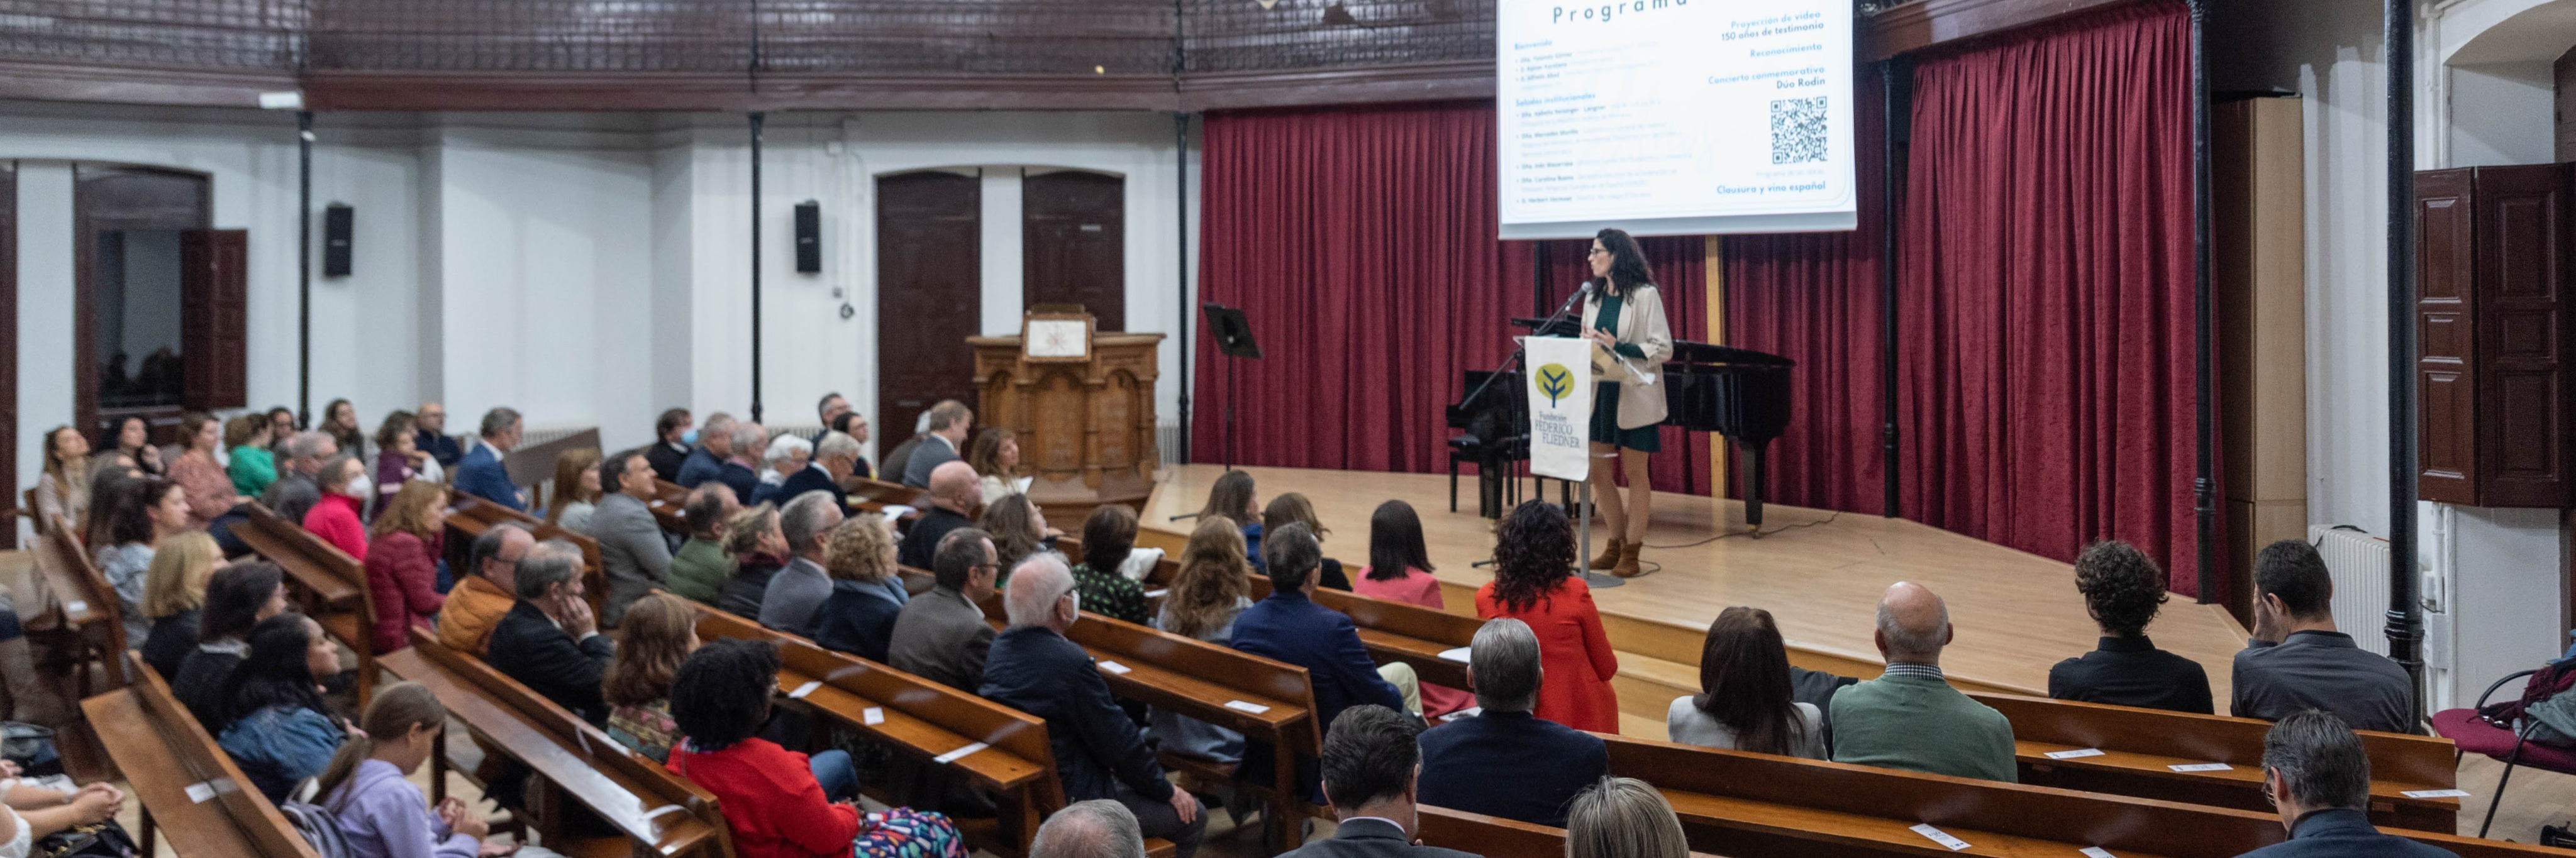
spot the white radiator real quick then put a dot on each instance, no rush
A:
(2359, 563)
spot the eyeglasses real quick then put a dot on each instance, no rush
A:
(1598, 252)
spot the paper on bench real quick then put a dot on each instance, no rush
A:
(2074, 754)
(668, 808)
(76, 606)
(1941, 837)
(805, 689)
(1245, 706)
(954, 756)
(199, 793)
(2202, 767)
(1114, 667)
(1458, 655)
(2436, 793)
(1157, 594)
(896, 510)
(872, 716)
(2097, 852)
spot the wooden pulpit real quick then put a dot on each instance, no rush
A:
(1082, 404)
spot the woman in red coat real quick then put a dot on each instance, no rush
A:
(402, 567)
(1534, 583)
(334, 516)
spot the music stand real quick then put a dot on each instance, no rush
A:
(1233, 335)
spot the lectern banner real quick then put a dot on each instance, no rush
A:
(1560, 405)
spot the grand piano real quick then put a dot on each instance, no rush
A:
(1738, 393)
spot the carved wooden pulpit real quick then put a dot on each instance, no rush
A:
(1082, 404)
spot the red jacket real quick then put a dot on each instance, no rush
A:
(770, 800)
(335, 519)
(402, 576)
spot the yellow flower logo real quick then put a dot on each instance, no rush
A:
(1555, 381)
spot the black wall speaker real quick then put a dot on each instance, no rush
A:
(336, 224)
(809, 237)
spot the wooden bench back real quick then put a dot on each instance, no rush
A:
(335, 580)
(81, 591)
(474, 516)
(2213, 738)
(668, 499)
(1266, 682)
(1395, 631)
(1490, 836)
(197, 759)
(533, 464)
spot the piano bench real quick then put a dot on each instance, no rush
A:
(1493, 461)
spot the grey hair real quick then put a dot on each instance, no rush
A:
(785, 447)
(1504, 657)
(837, 444)
(1035, 586)
(488, 545)
(2320, 759)
(499, 420)
(748, 436)
(1914, 642)
(718, 423)
(805, 518)
(1623, 818)
(308, 444)
(551, 562)
(1099, 828)
(332, 468)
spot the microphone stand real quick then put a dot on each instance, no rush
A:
(1515, 359)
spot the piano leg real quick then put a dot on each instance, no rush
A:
(1753, 488)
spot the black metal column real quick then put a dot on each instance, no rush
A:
(2204, 483)
(2405, 609)
(1181, 243)
(1894, 84)
(304, 268)
(756, 120)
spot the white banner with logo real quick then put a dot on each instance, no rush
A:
(1560, 405)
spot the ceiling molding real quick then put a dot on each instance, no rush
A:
(119, 85)
(1931, 23)
(1409, 82)
(730, 92)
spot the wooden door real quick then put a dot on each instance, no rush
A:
(1074, 241)
(109, 201)
(214, 318)
(929, 294)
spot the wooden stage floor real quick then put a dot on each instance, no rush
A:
(1819, 573)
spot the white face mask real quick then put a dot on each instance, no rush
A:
(361, 487)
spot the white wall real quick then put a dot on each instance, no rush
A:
(44, 313)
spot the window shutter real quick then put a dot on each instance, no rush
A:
(214, 324)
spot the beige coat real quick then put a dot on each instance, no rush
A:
(1641, 323)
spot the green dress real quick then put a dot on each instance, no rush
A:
(699, 571)
(1605, 400)
(252, 470)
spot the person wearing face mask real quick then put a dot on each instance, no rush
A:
(334, 517)
(671, 444)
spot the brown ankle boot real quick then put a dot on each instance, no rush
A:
(1627, 566)
(1609, 555)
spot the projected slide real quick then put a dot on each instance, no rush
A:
(1674, 117)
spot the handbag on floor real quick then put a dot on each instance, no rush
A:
(31, 746)
(102, 840)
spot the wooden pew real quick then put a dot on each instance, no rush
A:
(668, 498)
(654, 809)
(1395, 631)
(533, 464)
(472, 516)
(1490, 836)
(922, 718)
(1751, 805)
(87, 619)
(2140, 745)
(331, 585)
(169, 761)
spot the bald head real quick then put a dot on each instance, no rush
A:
(955, 485)
(1913, 624)
(1099, 828)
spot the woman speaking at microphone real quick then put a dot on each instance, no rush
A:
(1623, 316)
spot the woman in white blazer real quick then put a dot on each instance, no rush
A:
(1623, 316)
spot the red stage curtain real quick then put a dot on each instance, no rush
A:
(2045, 393)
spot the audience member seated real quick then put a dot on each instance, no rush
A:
(833, 458)
(1910, 717)
(250, 464)
(402, 565)
(133, 439)
(2318, 780)
(1623, 818)
(399, 459)
(64, 488)
(431, 435)
(577, 490)
(1099, 752)
(1288, 626)
(759, 550)
(295, 491)
(2123, 590)
(2297, 660)
(340, 421)
(210, 491)
(1232, 498)
(1506, 761)
(282, 425)
(701, 566)
(1107, 538)
(1293, 508)
(238, 598)
(1372, 773)
(741, 470)
(866, 597)
(798, 590)
(139, 514)
(1534, 582)
(1212, 588)
(1745, 700)
(826, 410)
(891, 470)
(631, 549)
(945, 442)
(33, 813)
(1098, 828)
(109, 473)
(276, 725)
(787, 456)
(706, 461)
(943, 635)
(996, 455)
(1399, 570)
(338, 515)
(174, 598)
(670, 448)
(489, 589)
(480, 473)
(952, 502)
(778, 802)
(659, 633)
(550, 641)
(368, 789)
(1019, 529)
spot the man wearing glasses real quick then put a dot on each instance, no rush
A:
(941, 635)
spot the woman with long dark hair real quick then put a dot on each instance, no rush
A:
(1623, 317)
(1534, 583)
(340, 421)
(64, 488)
(1399, 570)
(139, 513)
(238, 598)
(275, 722)
(660, 631)
(1232, 496)
(133, 438)
(1744, 701)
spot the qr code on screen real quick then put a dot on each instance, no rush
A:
(1798, 130)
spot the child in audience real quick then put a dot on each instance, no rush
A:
(276, 725)
(174, 593)
(1213, 585)
(659, 630)
(1399, 570)
(1232, 497)
(368, 789)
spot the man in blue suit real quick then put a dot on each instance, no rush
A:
(1290, 627)
(481, 474)
(832, 461)
(1505, 761)
(706, 461)
(2319, 779)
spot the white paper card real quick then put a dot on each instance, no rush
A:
(76, 606)
(896, 510)
(1458, 655)
(1241, 706)
(2202, 767)
(198, 793)
(668, 808)
(1157, 594)
(954, 756)
(2097, 852)
(2436, 793)
(1114, 667)
(872, 716)
(1941, 837)
(805, 689)
(2074, 754)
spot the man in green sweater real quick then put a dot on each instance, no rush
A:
(1910, 717)
(701, 567)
